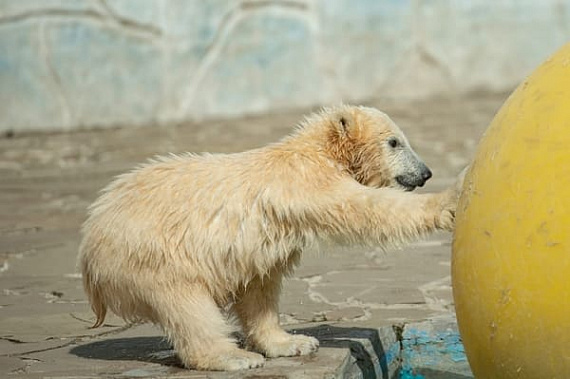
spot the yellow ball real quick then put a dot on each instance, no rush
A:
(511, 250)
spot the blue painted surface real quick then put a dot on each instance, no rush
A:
(432, 348)
(392, 353)
(407, 373)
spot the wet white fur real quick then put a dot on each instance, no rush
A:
(183, 236)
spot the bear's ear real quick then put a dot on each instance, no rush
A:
(343, 121)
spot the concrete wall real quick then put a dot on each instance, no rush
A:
(66, 64)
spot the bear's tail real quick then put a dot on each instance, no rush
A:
(96, 299)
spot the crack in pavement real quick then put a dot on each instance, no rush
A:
(16, 253)
(72, 341)
(431, 301)
(20, 231)
(28, 362)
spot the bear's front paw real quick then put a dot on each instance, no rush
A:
(447, 220)
(448, 203)
(295, 344)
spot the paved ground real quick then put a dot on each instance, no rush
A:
(348, 298)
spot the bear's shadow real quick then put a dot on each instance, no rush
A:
(143, 349)
(159, 350)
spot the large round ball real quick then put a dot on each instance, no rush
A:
(511, 250)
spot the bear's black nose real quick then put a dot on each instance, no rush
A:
(426, 174)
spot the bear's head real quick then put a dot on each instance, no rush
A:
(373, 149)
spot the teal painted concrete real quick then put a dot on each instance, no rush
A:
(433, 349)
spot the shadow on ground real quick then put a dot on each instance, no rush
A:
(158, 350)
(143, 349)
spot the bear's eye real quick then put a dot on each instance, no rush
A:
(393, 142)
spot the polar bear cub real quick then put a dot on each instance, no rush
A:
(182, 237)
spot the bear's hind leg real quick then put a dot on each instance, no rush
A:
(199, 332)
(258, 310)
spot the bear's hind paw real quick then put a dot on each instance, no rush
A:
(233, 360)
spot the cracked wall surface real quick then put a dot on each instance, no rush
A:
(68, 64)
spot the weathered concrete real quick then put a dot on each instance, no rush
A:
(432, 349)
(350, 299)
(67, 64)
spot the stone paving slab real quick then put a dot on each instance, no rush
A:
(349, 297)
(141, 351)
